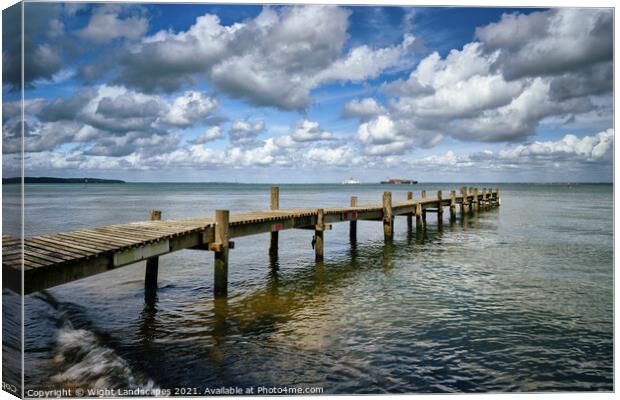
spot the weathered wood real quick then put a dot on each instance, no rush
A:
(318, 235)
(60, 258)
(388, 216)
(353, 219)
(220, 272)
(409, 215)
(497, 201)
(418, 216)
(476, 201)
(439, 207)
(452, 205)
(152, 266)
(423, 194)
(465, 200)
(275, 205)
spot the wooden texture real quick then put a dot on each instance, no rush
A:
(410, 215)
(152, 265)
(353, 220)
(274, 235)
(220, 265)
(54, 259)
(388, 216)
(319, 250)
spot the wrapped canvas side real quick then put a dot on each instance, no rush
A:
(12, 199)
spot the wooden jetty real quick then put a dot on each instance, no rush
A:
(51, 260)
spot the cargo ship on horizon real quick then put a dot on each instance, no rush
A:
(393, 181)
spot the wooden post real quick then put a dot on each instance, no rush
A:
(497, 202)
(410, 215)
(152, 266)
(439, 207)
(353, 224)
(464, 201)
(452, 205)
(220, 273)
(388, 217)
(318, 235)
(418, 216)
(275, 205)
(423, 194)
(476, 201)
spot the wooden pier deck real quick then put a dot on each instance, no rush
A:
(52, 260)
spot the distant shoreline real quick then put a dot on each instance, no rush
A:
(52, 180)
(46, 179)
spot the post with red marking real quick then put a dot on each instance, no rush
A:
(275, 205)
(353, 223)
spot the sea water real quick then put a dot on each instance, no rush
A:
(517, 298)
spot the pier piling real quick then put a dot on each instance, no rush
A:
(275, 205)
(220, 273)
(353, 223)
(439, 208)
(464, 200)
(318, 235)
(49, 260)
(476, 201)
(452, 206)
(410, 215)
(388, 216)
(152, 266)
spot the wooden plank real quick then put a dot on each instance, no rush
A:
(63, 244)
(101, 238)
(46, 259)
(54, 257)
(59, 250)
(129, 234)
(110, 237)
(85, 242)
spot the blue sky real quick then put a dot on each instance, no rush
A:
(196, 92)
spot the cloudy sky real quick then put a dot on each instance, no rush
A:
(190, 92)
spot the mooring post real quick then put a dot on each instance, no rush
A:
(410, 215)
(439, 207)
(476, 200)
(353, 223)
(452, 205)
(220, 272)
(464, 201)
(152, 265)
(275, 205)
(497, 202)
(388, 217)
(419, 222)
(318, 235)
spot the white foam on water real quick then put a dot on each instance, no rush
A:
(84, 361)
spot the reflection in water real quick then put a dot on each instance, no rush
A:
(489, 303)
